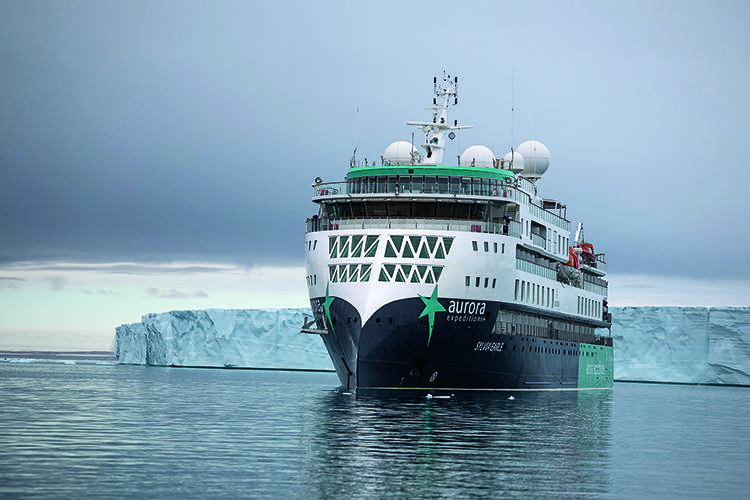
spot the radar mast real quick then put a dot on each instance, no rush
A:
(434, 132)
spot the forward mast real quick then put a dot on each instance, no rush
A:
(435, 131)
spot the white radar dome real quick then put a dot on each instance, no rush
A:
(400, 153)
(535, 159)
(477, 156)
(517, 161)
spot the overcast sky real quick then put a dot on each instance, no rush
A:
(158, 132)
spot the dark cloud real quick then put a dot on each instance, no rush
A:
(132, 134)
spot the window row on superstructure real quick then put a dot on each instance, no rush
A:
(406, 273)
(349, 273)
(389, 273)
(532, 262)
(421, 247)
(478, 281)
(531, 267)
(527, 292)
(589, 307)
(422, 184)
(535, 325)
(396, 246)
(598, 289)
(439, 185)
(352, 246)
(544, 237)
(397, 207)
(486, 246)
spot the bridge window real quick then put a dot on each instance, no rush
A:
(376, 209)
(399, 209)
(463, 210)
(358, 209)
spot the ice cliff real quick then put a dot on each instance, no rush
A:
(664, 344)
(703, 345)
(252, 338)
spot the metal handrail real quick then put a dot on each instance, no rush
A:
(512, 228)
(455, 186)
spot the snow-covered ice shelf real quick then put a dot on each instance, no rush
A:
(251, 338)
(702, 345)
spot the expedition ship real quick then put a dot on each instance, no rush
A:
(435, 276)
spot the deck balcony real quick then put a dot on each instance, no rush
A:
(512, 229)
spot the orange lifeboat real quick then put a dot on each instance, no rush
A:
(587, 253)
(573, 258)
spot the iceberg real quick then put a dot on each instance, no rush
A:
(241, 338)
(695, 345)
(692, 345)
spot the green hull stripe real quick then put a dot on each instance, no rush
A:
(596, 366)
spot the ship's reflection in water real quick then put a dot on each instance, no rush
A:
(470, 445)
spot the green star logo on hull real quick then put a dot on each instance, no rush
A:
(327, 307)
(431, 306)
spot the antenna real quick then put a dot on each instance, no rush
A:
(446, 95)
(356, 128)
(512, 110)
(411, 153)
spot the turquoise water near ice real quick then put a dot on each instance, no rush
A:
(133, 431)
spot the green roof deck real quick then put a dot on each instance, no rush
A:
(485, 172)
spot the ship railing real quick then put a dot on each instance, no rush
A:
(548, 216)
(600, 262)
(458, 186)
(417, 185)
(551, 333)
(511, 228)
(539, 240)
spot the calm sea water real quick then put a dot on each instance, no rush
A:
(113, 431)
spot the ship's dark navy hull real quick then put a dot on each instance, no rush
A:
(394, 349)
